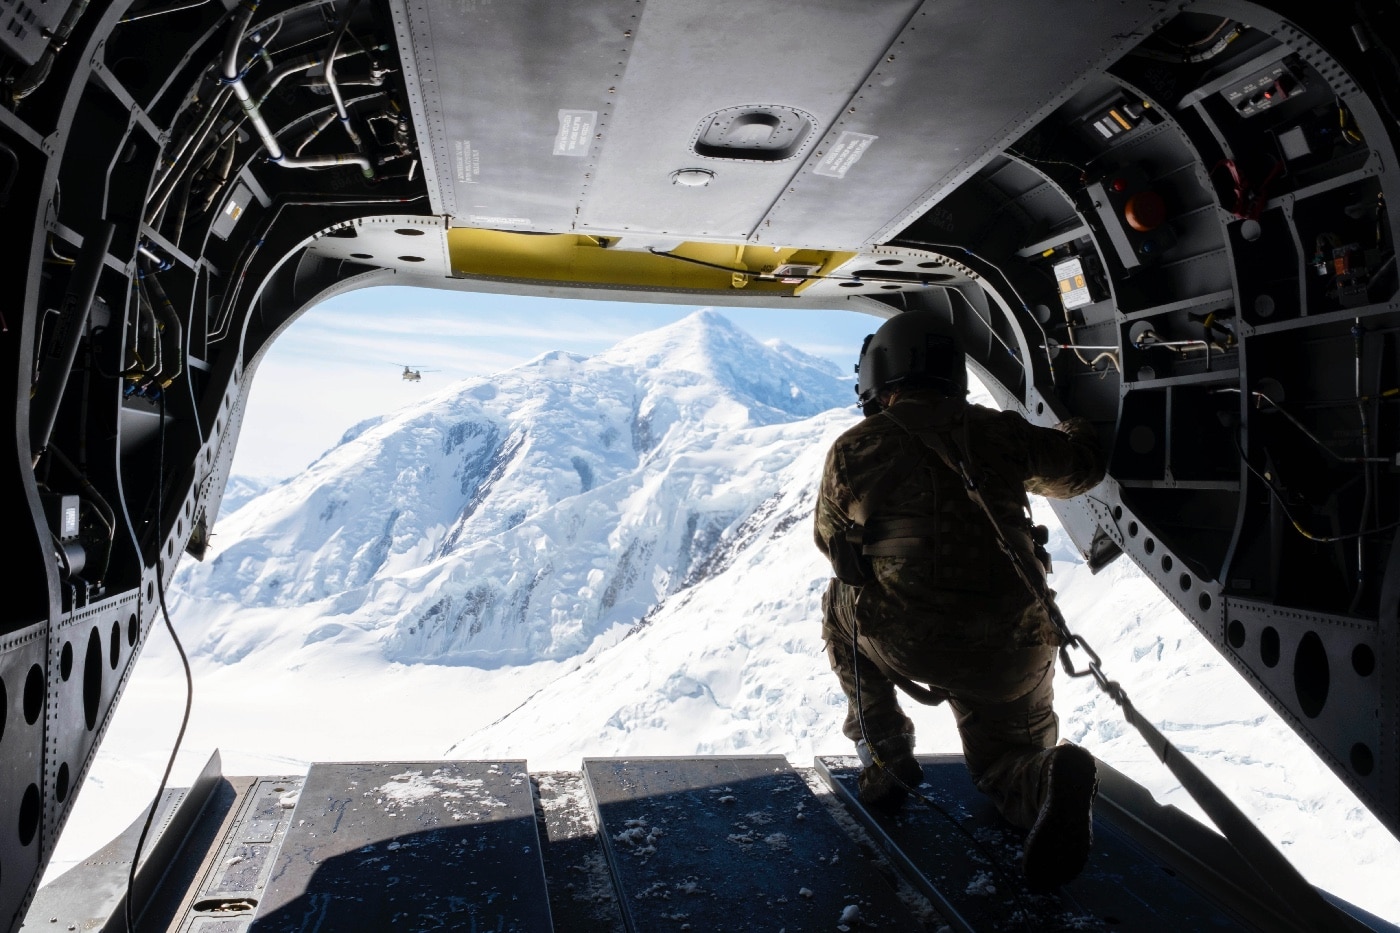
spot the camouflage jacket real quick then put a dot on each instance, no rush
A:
(949, 578)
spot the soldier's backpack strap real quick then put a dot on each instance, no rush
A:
(851, 550)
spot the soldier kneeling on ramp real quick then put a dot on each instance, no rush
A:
(923, 511)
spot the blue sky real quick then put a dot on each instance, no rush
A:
(341, 362)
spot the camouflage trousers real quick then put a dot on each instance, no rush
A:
(1003, 701)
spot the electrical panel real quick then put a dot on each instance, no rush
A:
(1263, 90)
(25, 27)
(1133, 215)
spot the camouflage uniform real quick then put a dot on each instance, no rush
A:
(942, 605)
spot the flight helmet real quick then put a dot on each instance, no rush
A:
(914, 348)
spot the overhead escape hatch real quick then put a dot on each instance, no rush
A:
(754, 134)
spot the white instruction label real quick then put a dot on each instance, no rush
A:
(467, 160)
(845, 153)
(497, 220)
(575, 135)
(1074, 287)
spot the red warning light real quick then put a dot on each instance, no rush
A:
(1145, 211)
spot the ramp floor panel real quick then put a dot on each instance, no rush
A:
(435, 845)
(733, 844)
(581, 896)
(966, 859)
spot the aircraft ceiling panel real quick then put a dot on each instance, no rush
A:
(930, 114)
(734, 59)
(511, 122)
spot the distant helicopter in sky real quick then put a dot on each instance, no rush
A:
(413, 374)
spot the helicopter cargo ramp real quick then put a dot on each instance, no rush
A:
(743, 843)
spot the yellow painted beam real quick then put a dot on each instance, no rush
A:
(574, 259)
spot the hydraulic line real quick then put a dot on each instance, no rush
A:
(1149, 338)
(186, 192)
(177, 166)
(222, 176)
(367, 167)
(220, 328)
(72, 325)
(234, 79)
(1104, 353)
(144, 355)
(177, 8)
(169, 330)
(299, 64)
(316, 129)
(1260, 396)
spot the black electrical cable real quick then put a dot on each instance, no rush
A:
(1278, 497)
(736, 270)
(10, 176)
(1083, 172)
(177, 8)
(189, 677)
(219, 331)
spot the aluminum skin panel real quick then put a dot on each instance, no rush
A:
(494, 91)
(937, 116)
(711, 57)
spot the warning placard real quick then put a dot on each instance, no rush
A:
(575, 132)
(845, 153)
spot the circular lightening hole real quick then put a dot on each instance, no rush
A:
(92, 679)
(114, 646)
(33, 694)
(1362, 760)
(1312, 676)
(1236, 634)
(1363, 660)
(29, 812)
(1269, 646)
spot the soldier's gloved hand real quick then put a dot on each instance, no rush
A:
(1078, 428)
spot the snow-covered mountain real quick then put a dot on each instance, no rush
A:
(242, 489)
(612, 555)
(514, 519)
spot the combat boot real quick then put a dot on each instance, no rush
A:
(885, 785)
(1057, 846)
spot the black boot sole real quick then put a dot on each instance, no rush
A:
(1057, 846)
